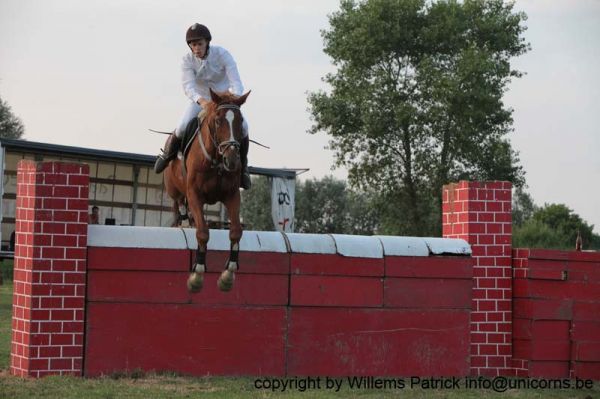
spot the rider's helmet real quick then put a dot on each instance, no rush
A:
(197, 31)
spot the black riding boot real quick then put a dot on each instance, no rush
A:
(246, 182)
(170, 151)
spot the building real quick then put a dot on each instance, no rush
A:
(122, 185)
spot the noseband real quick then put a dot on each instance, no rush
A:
(224, 145)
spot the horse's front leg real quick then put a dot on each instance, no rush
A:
(235, 234)
(196, 278)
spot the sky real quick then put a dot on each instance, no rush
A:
(100, 73)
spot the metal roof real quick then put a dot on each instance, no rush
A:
(126, 157)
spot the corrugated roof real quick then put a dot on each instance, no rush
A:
(125, 157)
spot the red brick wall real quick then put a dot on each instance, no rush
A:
(49, 269)
(480, 213)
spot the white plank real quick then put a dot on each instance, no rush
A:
(448, 246)
(311, 243)
(358, 246)
(135, 237)
(404, 246)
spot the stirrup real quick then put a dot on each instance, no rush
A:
(167, 154)
(161, 163)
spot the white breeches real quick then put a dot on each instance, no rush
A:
(192, 112)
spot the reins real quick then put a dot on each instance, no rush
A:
(224, 145)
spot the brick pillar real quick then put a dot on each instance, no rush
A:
(49, 269)
(480, 213)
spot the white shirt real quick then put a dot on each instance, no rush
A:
(217, 71)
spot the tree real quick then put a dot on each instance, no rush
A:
(523, 207)
(416, 101)
(11, 126)
(256, 205)
(322, 206)
(554, 226)
(328, 206)
(393, 214)
(362, 215)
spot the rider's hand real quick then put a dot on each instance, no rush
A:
(202, 102)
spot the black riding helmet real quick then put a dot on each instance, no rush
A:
(197, 31)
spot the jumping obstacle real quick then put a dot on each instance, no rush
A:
(92, 300)
(303, 305)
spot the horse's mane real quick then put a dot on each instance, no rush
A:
(226, 97)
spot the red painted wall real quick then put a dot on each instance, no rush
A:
(556, 313)
(333, 315)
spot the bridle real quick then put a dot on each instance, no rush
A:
(224, 145)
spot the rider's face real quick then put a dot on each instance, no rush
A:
(199, 47)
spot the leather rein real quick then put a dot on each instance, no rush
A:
(224, 145)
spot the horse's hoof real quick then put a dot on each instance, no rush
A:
(226, 281)
(195, 282)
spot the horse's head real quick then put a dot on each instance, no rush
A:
(225, 122)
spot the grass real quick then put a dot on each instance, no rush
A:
(165, 386)
(6, 269)
(172, 386)
(5, 322)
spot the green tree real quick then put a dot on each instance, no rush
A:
(535, 234)
(523, 207)
(393, 219)
(416, 100)
(362, 215)
(256, 205)
(11, 126)
(328, 206)
(322, 206)
(554, 226)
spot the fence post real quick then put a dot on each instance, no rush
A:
(49, 269)
(480, 213)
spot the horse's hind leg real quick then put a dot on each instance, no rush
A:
(235, 234)
(176, 216)
(180, 212)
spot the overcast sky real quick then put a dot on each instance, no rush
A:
(98, 74)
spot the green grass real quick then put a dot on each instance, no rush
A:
(6, 269)
(5, 322)
(171, 386)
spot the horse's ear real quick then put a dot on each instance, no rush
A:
(242, 99)
(214, 96)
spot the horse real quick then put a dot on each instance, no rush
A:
(211, 172)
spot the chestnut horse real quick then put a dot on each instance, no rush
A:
(212, 173)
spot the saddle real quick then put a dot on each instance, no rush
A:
(190, 132)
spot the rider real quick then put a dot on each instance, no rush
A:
(205, 67)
